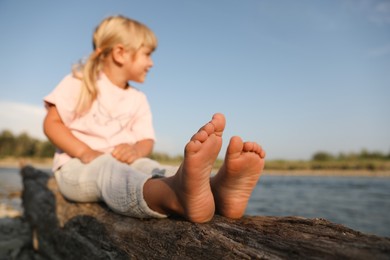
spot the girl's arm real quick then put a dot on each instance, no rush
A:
(61, 137)
(128, 153)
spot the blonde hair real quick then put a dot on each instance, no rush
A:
(111, 31)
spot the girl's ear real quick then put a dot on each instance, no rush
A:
(119, 54)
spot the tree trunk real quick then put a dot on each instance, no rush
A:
(67, 230)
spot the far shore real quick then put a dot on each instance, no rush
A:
(47, 164)
(338, 173)
(20, 162)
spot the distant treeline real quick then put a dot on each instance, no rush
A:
(363, 155)
(25, 146)
(365, 160)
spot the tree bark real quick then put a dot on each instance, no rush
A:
(67, 230)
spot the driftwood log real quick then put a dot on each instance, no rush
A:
(66, 230)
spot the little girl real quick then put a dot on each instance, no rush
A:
(102, 128)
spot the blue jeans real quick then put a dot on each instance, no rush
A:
(118, 184)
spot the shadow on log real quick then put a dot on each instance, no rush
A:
(66, 230)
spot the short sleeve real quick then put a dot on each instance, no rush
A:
(65, 97)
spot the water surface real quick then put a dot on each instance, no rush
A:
(361, 203)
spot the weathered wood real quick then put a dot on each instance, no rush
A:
(15, 239)
(66, 230)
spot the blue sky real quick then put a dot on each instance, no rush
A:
(296, 76)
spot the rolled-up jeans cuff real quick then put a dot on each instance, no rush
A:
(144, 210)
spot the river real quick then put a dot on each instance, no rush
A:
(360, 203)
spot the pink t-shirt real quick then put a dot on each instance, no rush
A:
(116, 116)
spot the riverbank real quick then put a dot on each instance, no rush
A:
(47, 164)
(40, 163)
(330, 173)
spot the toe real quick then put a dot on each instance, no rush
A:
(235, 146)
(200, 136)
(219, 123)
(249, 147)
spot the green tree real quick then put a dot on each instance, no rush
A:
(24, 145)
(46, 149)
(322, 156)
(7, 143)
(364, 154)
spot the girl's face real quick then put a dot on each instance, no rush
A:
(138, 64)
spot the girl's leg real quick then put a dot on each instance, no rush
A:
(151, 167)
(188, 193)
(119, 185)
(76, 183)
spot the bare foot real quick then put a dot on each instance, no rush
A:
(193, 177)
(191, 194)
(237, 178)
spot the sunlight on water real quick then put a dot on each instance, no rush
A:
(10, 192)
(361, 203)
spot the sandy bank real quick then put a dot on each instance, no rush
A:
(339, 173)
(47, 164)
(17, 162)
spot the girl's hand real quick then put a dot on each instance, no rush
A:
(89, 156)
(125, 153)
